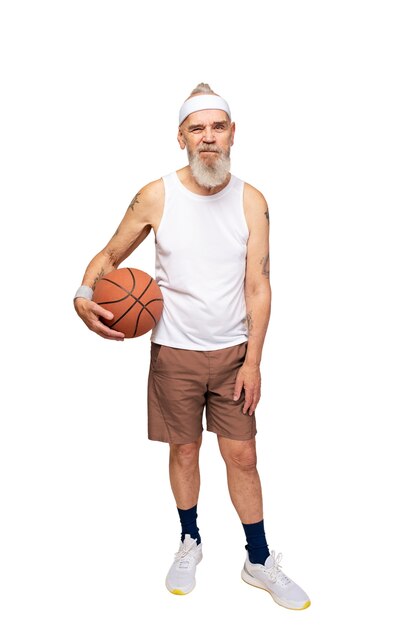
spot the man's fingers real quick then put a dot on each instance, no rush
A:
(107, 333)
(248, 399)
(252, 397)
(238, 388)
(255, 401)
(101, 312)
(100, 328)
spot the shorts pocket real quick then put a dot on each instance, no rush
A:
(155, 354)
(242, 351)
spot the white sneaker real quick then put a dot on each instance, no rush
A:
(181, 575)
(270, 577)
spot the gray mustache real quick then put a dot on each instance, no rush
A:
(208, 148)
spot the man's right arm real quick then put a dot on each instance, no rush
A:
(133, 229)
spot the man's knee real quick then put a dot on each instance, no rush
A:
(240, 454)
(185, 454)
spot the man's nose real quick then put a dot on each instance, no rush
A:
(208, 135)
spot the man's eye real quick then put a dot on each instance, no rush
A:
(196, 130)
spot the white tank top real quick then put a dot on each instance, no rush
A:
(200, 259)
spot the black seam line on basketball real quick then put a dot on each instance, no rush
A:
(149, 312)
(113, 301)
(129, 293)
(133, 287)
(137, 319)
(137, 301)
(146, 288)
(144, 306)
(126, 312)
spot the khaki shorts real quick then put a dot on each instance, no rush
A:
(182, 382)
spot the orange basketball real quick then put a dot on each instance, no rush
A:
(133, 297)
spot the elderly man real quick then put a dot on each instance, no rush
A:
(212, 265)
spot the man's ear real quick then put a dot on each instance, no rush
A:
(180, 139)
(232, 133)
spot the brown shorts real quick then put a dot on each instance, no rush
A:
(182, 382)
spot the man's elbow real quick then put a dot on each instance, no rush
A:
(260, 290)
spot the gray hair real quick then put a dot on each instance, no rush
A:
(202, 88)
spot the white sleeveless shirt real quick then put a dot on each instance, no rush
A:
(200, 260)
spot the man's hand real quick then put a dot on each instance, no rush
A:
(90, 312)
(249, 378)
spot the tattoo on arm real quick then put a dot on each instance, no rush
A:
(134, 201)
(250, 321)
(113, 257)
(98, 277)
(265, 262)
(267, 214)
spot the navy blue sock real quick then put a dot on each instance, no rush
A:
(257, 547)
(188, 519)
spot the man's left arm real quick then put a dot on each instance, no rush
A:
(257, 296)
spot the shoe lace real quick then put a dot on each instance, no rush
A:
(275, 572)
(183, 555)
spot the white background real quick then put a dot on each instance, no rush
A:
(324, 95)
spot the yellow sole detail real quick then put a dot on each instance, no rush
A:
(291, 608)
(305, 606)
(177, 592)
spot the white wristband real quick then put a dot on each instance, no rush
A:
(84, 292)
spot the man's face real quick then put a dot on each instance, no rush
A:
(208, 136)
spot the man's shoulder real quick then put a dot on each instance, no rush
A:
(253, 196)
(153, 190)
(149, 200)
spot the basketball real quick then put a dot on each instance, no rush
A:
(133, 297)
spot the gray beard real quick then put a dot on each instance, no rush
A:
(210, 176)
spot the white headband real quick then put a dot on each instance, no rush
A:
(198, 103)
